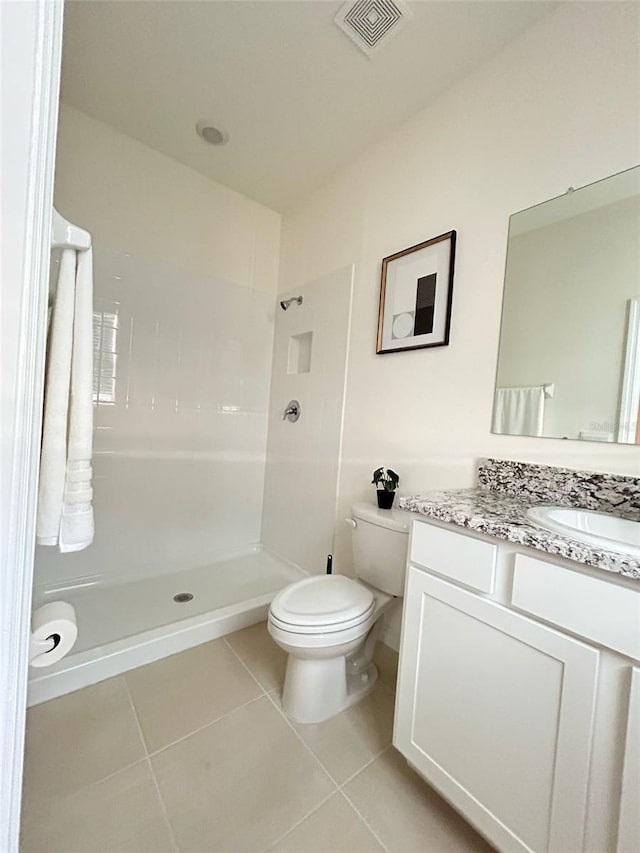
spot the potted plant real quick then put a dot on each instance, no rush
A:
(386, 481)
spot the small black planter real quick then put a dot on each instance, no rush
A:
(385, 498)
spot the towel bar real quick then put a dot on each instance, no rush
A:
(64, 235)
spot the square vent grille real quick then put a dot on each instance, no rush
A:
(370, 24)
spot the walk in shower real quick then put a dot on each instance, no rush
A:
(182, 369)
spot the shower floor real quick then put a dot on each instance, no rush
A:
(125, 625)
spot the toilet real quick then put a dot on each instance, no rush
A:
(329, 624)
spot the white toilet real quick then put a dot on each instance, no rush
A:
(328, 624)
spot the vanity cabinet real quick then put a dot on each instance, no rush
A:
(504, 714)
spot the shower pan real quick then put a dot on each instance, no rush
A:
(128, 624)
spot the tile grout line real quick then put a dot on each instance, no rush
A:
(135, 715)
(339, 790)
(152, 753)
(111, 775)
(303, 742)
(365, 765)
(154, 779)
(267, 693)
(350, 803)
(364, 820)
(165, 813)
(338, 787)
(240, 661)
(302, 820)
(203, 727)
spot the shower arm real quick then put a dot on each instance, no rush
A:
(285, 303)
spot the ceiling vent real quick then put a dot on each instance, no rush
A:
(370, 24)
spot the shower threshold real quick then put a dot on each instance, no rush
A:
(125, 625)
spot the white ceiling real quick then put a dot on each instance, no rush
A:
(298, 99)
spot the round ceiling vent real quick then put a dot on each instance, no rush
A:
(208, 131)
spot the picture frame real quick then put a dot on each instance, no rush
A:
(416, 296)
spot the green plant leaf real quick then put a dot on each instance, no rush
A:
(387, 478)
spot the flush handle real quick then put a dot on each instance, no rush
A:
(351, 522)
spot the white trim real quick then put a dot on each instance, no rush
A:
(16, 577)
(630, 395)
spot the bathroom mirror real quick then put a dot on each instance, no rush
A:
(569, 356)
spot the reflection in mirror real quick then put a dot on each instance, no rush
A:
(569, 359)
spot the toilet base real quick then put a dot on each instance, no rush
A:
(316, 690)
(360, 685)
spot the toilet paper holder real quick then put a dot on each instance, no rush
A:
(54, 631)
(41, 647)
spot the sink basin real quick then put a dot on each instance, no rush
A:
(594, 528)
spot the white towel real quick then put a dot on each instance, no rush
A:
(53, 459)
(65, 511)
(519, 411)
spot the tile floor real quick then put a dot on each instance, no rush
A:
(193, 753)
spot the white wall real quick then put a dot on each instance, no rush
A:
(556, 108)
(190, 268)
(301, 481)
(565, 314)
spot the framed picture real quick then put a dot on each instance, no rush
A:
(416, 292)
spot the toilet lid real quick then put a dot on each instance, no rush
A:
(325, 600)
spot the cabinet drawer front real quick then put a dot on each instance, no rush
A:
(595, 609)
(462, 558)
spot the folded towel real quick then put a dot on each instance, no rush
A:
(65, 511)
(76, 524)
(53, 457)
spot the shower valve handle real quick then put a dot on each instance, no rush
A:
(292, 412)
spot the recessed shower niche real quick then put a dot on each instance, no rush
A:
(299, 357)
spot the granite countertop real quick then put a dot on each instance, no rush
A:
(499, 514)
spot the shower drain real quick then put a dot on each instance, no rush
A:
(181, 597)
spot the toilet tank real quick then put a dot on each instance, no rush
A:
(379, 540)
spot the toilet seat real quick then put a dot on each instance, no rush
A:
(323, 604)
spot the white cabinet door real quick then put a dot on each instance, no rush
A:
(629, 826)
(496, 712)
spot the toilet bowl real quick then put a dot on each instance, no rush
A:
(329, 624)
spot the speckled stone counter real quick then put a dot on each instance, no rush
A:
(508, 489)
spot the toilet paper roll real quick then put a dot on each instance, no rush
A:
(53, 633)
